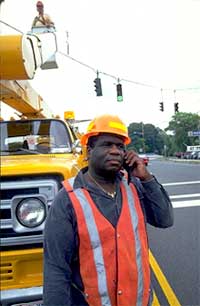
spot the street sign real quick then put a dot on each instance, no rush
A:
(193, 133)
(193, 148)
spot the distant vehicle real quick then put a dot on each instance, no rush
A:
(179, 154)
(187, 155)
(195, 155)
(145, 159)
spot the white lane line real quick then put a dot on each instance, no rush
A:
(181, 183)
(179, 204)
(182, 196)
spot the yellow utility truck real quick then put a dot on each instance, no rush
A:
(38, 152)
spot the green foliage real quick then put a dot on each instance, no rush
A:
(146, 137)
(180, 125)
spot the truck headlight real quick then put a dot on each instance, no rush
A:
(31, 212)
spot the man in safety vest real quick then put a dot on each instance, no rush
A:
(95, 245)
(42, 20)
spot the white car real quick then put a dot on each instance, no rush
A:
(145, 159)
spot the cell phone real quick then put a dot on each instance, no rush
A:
(127, 167)
(129, 170)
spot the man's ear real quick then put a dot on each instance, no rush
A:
(88, 151)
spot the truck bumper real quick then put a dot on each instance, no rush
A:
(25, 295)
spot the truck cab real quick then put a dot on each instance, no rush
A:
(36, 156)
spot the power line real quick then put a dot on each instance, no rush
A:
(126, 80)
(77, 61)
(140, 83)
(110, 75)
(107, 74)
(5, 23)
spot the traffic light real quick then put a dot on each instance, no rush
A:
(97, 85)
(176, 107)
(161, 106)
(119, 93)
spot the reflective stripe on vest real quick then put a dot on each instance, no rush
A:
(142, 252)
(113, 262)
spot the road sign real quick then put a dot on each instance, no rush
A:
(193, 133)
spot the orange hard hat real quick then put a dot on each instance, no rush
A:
(106, 124)
(39, 3)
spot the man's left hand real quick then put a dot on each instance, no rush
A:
(136, 163)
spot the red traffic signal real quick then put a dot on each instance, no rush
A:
(97, 85)
(176, 108)
(161, 106)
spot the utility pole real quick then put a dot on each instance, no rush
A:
(67, 41)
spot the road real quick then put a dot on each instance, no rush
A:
(175, 252)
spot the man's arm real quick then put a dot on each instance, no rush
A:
(59, 247)
(34, 21)
(157, 205)
(48, 20)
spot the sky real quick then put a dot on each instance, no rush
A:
(147, 45)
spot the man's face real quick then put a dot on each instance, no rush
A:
(40, 8)
(107, 154)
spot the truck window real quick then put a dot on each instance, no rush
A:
(35, 137)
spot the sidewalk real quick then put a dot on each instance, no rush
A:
(179, 160)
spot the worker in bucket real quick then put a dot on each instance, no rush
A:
(42, 20)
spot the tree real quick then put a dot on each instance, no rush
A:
(180, 125)
(135, 131)
(146, 137)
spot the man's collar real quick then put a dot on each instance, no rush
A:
(81, 182)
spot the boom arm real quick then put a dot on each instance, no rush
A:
(23, 98)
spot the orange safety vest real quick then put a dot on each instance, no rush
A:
(114, 263)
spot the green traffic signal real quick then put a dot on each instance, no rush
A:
(119, 98)
(119, 93)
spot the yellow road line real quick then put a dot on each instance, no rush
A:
(155, 300)
(168, 291)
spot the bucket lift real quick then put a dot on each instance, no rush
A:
(21, 55)
(51, 62)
